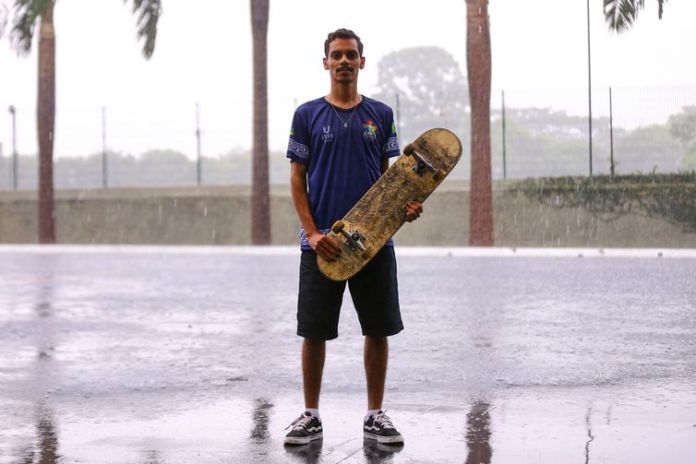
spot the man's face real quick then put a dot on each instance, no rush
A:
(344, 60)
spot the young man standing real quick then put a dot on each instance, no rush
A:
(339, 146)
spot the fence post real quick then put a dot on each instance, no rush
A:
(199, 166)
(398, 115)
(15, 161)
(105, 163)
(611, 135)
(504, 146)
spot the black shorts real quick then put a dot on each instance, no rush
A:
(374, 291)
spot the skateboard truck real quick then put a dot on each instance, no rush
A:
(422, 164)
(354, 239)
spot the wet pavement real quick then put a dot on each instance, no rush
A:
(188, 355)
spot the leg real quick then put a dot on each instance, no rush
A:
(318, 309)
(376, 298)
(313, 355)
(376, 356)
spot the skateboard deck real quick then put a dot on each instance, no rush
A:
(379, 214)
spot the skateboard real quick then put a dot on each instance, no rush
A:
(379, 214)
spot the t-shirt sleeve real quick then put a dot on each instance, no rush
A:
(391, 146)
(298, 144)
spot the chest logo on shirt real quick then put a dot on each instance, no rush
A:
(326, 134)
(369, 130)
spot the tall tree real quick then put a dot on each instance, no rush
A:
(682, 127)
(478, 60)
(26, 14)
(260, 198)
(431, 90)
(621, 14)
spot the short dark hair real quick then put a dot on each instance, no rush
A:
(342, 34)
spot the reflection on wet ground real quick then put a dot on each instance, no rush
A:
(260, 430)
(309, 453)
(478, 434)
(44, 449)
(173, 357)
(379, 452)
(590, 437)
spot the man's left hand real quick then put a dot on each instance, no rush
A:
(413, 210)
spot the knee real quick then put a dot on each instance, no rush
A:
(378, 342)
(314, 343)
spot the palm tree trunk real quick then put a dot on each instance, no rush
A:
(260, 200)
(478, 59)
(46, 112)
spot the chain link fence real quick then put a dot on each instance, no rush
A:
(533, 134)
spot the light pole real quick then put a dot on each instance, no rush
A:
(589, 81)
(13, 112)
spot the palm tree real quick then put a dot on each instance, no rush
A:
(621, 14)
(27, 13)
(478, 60)
(260, 199)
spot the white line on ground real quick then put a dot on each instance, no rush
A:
(401, 251)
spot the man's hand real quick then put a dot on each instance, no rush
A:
(413, 210)
(324, 246)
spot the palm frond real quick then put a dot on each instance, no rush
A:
(4, 15)
(660, 7)
(621, 14)
(26, 13)
(148, 13)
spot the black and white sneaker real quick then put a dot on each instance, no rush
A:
(304, 429)
(379, 427)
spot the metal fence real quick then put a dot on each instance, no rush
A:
(534, 134)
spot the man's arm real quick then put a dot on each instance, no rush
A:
(324, 245)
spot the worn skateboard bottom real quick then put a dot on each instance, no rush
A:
(354, 253)
(380, 212)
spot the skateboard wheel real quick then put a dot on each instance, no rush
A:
(409, 150)
(337, 227)
(439, 175)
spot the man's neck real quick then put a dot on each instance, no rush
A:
(344, 96)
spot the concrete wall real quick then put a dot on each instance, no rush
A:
(220, 215)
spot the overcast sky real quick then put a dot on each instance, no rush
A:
(203, 54)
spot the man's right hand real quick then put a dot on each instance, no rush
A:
(324, 246)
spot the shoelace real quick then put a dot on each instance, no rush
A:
(300, 422)
(384, 420)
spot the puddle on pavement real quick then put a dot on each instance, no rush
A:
(97, 368)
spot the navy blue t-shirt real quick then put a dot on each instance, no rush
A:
(342, 150)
